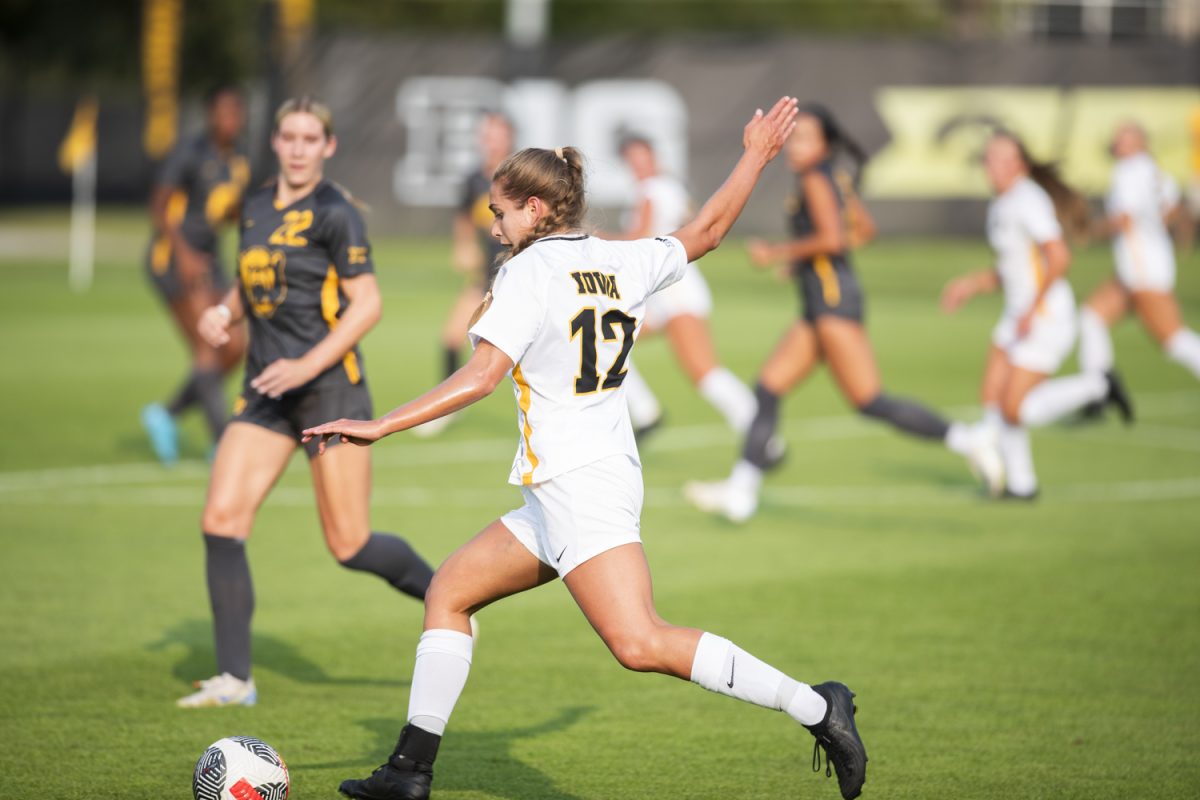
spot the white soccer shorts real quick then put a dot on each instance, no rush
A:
(581, 513)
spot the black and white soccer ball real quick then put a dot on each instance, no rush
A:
(240, 768)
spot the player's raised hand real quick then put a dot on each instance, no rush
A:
(766, 133)
(361, 432)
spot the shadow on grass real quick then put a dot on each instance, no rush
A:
(270, 653)
(491, 766)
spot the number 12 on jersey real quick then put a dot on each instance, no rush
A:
(584, 326)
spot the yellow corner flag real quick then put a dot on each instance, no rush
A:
(80, 142)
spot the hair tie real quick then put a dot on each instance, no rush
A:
(558, 152)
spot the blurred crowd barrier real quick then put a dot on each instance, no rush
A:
(406, 109)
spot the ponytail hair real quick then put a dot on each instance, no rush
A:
(836, 138)
(554, 176)
(1070, 206)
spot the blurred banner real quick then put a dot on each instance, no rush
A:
(161, 28)
(406, 108)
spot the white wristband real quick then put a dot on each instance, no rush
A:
(224, 311)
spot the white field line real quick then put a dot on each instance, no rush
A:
(501, 498)
(683, 438)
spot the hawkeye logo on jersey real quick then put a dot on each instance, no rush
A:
(263, 280)
(597, 283)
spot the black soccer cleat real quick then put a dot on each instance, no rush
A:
(641, 433)
(1118, 396)
(838, 735)
(406, 775)
(1092, 412)
(398, 779)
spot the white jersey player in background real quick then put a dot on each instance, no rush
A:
(681, 310)
(1036, 332)
(563, 316)
(1139, 201)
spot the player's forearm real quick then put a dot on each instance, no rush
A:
(359, 317)
(704, 234)
(460, 390)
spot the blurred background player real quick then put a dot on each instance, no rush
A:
(1037, 330)
(681, 311)
(475, 249)
(306, 284)
(1140, 200)
(831, 329)
(198, 190)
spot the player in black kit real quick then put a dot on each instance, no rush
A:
(306, 284)
(198, 190)
(475, 249)
(826, 221)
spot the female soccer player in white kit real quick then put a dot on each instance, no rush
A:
(1036, 332)
(1139, 200)
(564, 314)
(681, 310)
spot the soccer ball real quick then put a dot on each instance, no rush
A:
(240, 768)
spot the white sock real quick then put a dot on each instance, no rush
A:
(1052, 400)
(722, 667)
(643, 405)
(961, 438)
(439, 675)
(1018, 459)
(745, 477)
(1184, 348)
(731, 397)
(993, 420)
(1095, 343)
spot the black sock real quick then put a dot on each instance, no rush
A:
(231, 595)
(185, 396)
(762, 428)
(418, 746)
(394, 560)
(210, 391)
(450, 356)
(907, 415)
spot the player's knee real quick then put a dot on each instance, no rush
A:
(224, 518)
(635, 651)
(1010, 409)
(344, 541)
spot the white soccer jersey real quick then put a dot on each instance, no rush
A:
(670, 205)
(1144, 254)
(1018, 222)
(567, 310)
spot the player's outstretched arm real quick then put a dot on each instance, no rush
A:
(474, 381)
(762, 139)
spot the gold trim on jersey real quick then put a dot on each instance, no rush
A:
(1038, 265)
(524, 402)
(831, 290)
(160, 255)
(177, 203)
(331, 304)
(481, 213)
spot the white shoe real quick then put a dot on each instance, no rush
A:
(432, 428)
(221, 690)
(987, 465)
(721, 497)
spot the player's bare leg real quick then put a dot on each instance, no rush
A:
(614, 592)
(1160, 316)
(691, 340)
(248, 462)
(342, 482)
(489, 567)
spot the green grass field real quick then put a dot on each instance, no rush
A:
(999, 651)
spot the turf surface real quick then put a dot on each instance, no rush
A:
(999, 651)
